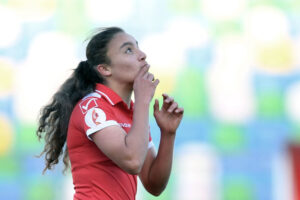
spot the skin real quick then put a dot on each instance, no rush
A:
(126, 73)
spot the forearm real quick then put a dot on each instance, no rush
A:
(160, 169)
(136, 141)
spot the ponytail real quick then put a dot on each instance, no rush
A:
(86, 73)
(54, 117)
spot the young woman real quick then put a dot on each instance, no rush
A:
(107, 137)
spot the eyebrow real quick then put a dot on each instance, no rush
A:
(128, 43)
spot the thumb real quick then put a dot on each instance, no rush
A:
(156, 106)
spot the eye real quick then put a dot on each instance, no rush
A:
(129, 50)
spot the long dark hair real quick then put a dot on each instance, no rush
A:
(54, 117)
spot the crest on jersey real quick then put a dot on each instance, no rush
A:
(87, 104)
(94, 117)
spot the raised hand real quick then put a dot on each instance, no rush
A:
(144, 85)
(169, 116)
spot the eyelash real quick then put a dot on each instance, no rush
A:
(128, 49)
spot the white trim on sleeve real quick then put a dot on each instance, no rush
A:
(100, 126)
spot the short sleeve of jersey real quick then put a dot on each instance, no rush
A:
(96, 115)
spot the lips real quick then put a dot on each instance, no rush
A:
(145, 65)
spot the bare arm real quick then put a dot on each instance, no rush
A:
(129, 151)
(157, 168)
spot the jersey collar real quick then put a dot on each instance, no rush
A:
(111, 96)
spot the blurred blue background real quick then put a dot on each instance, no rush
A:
(234, 65)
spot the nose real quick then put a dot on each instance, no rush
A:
(142, 56)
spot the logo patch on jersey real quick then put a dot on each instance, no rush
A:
(94, 117)
(87, 104)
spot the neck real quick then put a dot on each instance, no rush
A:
(123, 90)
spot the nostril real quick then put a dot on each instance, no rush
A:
(144, 58)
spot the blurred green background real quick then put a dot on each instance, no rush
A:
(234, 65)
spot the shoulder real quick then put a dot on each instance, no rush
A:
(93, 110)
(89, 103)
(92, 100)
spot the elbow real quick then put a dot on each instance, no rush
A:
(132, 163)
(134, 167)
(156, 191)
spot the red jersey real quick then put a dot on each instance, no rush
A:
(95, 176)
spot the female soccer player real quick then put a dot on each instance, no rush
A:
(107, 136)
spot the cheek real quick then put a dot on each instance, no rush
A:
(125, 66)
(131, 71)
(126, 70)
(129, 66)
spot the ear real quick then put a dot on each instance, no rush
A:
(104, 70)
